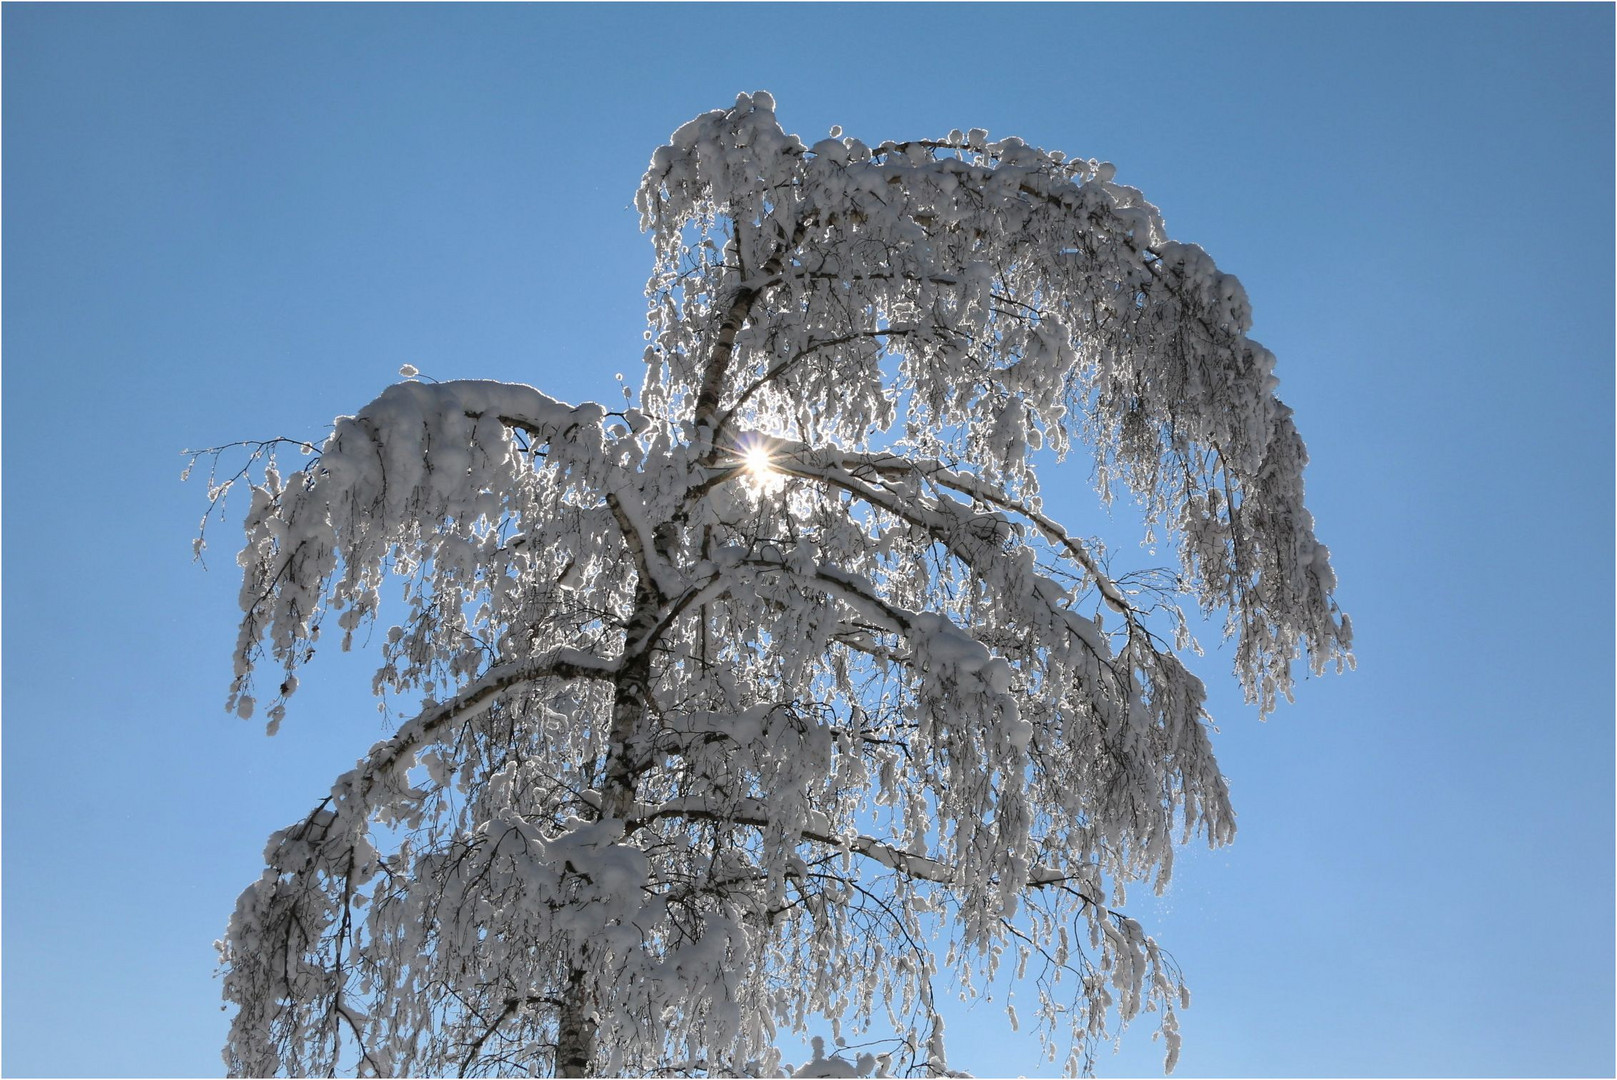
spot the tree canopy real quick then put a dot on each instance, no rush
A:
(770, 698)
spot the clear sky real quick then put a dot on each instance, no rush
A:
(226, 222)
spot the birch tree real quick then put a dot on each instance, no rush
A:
(770, 699)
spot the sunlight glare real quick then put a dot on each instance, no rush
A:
(758, 461)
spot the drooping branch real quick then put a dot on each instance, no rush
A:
(323, 851)
(755, 813)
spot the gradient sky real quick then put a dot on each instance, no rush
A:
(226, 222)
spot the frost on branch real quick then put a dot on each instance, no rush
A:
(780, 702)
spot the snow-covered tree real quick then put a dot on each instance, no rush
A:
(774, 701)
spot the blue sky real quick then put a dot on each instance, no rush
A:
(226, 222)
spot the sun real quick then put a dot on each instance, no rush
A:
(755, 454)
(757, 460)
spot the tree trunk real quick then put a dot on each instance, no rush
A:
(575, 1033)
(576, 1026)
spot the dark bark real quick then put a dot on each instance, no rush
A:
(576, 1024)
